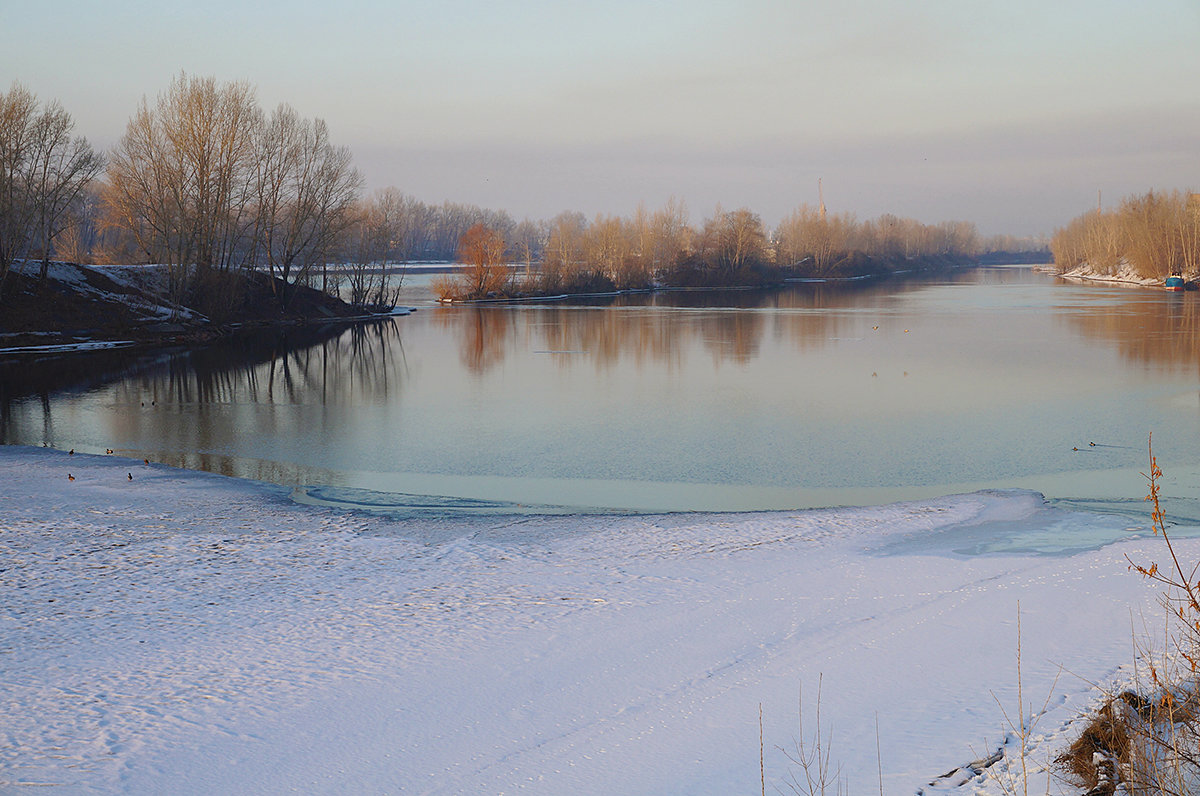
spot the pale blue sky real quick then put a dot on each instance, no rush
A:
(1010, 114)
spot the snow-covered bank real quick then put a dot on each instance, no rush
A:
(117, 306)
(181, 632)
(1125, 276)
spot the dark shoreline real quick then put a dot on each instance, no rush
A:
(90, 310)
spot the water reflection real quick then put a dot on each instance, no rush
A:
(646, 338)
(190, 396)
(1157, 328)
(732, 336)
(649, 401)
(278, 368)
(483, 333)
(656, 328)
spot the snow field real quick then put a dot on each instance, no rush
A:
(187, 633)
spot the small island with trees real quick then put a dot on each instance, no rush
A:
(661, 250)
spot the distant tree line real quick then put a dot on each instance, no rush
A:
(1153, 235)
(661, 247)
(207, 183)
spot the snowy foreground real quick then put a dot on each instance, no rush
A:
(185, 633)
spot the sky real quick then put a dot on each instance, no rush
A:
(1015, 115)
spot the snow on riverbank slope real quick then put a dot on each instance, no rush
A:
(185, 633)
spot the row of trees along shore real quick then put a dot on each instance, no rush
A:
(734, 247)
(1150, 236)
(208, 184)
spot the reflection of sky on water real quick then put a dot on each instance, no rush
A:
(821, 394)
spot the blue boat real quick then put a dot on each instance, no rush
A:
(1174, 283)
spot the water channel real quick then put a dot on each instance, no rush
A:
(816, 395)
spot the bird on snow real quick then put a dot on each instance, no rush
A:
(108, 450)
(130, 476)
(71, 452)
(70, 477)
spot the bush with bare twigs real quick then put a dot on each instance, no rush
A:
(1147, 740)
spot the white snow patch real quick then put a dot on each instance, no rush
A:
(183, 632)
(90, 345)
(1125, 274)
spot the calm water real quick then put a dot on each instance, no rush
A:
(819, 395)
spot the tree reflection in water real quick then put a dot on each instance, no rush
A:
(729, 324)
(194, 399)
(735, 388)
(1162, 329)
(483, 334)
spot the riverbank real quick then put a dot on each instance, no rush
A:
(160, 619)
(83, 307)
(1125, 276)
(853, 267)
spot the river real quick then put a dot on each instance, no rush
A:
(817, 395)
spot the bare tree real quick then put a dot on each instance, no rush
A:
(733, 242)
(361, 248)
(203, 182)
(78, 240)
(482, 250)
(181, 179)
(18, 120)
(43, 172)
(1151, 223)
(1156, 234)
(605, 249)
(1102, 241)
(63, 168)
(372, 243)
(526, 245)
(808, 233)
(564, 251)
(1189, 233)
(671, 234)
(956, 238)
(306, 188)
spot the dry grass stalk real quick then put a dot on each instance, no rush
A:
(812, 757)
(1026, 722)
(1149, 742)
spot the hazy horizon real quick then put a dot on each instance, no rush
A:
(1011, 116)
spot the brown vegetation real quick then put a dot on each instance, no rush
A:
(374, 240)
(731, 248)
(1150, 742)
(486, 274)
(209, 185)
(204, 182)
(1154, 235)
